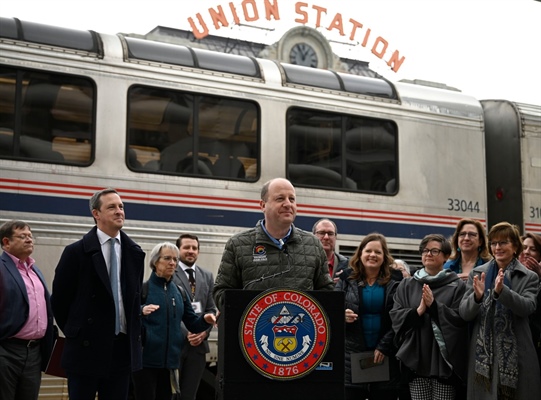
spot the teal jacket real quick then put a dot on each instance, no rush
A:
(454, 265)
(163, 337)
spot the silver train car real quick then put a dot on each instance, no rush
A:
(188, 137)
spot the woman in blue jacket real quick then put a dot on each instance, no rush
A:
(164, 306)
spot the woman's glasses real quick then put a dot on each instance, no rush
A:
(501, 243)
(433, 252)
(473, 235)
(169, 258)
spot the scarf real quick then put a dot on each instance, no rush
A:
(424, 277)
(496, 334)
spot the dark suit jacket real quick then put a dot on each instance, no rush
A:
(203, 293)
(340, 264)
(14, 305)
(83, 304)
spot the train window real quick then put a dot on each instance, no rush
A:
(224, 62)
(324, 79)
(311, 77)
(172, 132)
(86, 41)
(161, 52)
(377, 87)
(8, 28)
(46, 117)
(344, 152)
(196, 58)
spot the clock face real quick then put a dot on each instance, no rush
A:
(303, 54)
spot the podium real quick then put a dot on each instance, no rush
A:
(237, 378)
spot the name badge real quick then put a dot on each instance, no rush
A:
(196, 305)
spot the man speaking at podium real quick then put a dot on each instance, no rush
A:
(273, 254)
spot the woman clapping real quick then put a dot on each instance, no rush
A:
(429, 330)
(500, 296)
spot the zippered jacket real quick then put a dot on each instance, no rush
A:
(252, 261)
(163, 336)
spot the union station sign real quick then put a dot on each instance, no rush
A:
(299, 51)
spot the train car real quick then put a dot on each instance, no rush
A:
(513, 134)
(188, 137)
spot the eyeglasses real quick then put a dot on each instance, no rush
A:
(470, 234)
(169, 258)
(323, 233)
(23, 237)
(433, 252)
(502, 243)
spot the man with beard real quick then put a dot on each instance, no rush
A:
(198, 283)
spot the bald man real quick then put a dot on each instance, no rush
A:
(274, 253)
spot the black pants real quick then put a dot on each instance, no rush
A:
(113, 385)
(20, 371)
(191, 370)
(152, 384)
(372, 391)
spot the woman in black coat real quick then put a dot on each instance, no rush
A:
(369, 292)
(431, 335)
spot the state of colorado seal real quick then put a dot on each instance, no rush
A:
(284, 334)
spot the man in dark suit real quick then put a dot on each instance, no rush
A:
(26, 318)
(198, 283)
(96, 302)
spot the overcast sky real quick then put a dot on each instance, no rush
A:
(487, 48)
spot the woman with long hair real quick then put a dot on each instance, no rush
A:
(469, 248)
(369, 292)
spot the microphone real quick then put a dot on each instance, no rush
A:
(283, 247)
(277, 274)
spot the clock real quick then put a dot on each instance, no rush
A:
(303, 54)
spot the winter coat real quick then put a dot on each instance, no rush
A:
(83, 304)
(354, 331)
(251, 260)
(418, 349)
(535, 326)
(521, 299)
(163, 336)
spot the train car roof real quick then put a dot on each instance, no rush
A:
(84, 42)
(144, 51)
(440, 101)
(54, 36)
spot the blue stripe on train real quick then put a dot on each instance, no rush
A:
(204, 216)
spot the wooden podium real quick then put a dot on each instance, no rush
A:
(238, 379)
